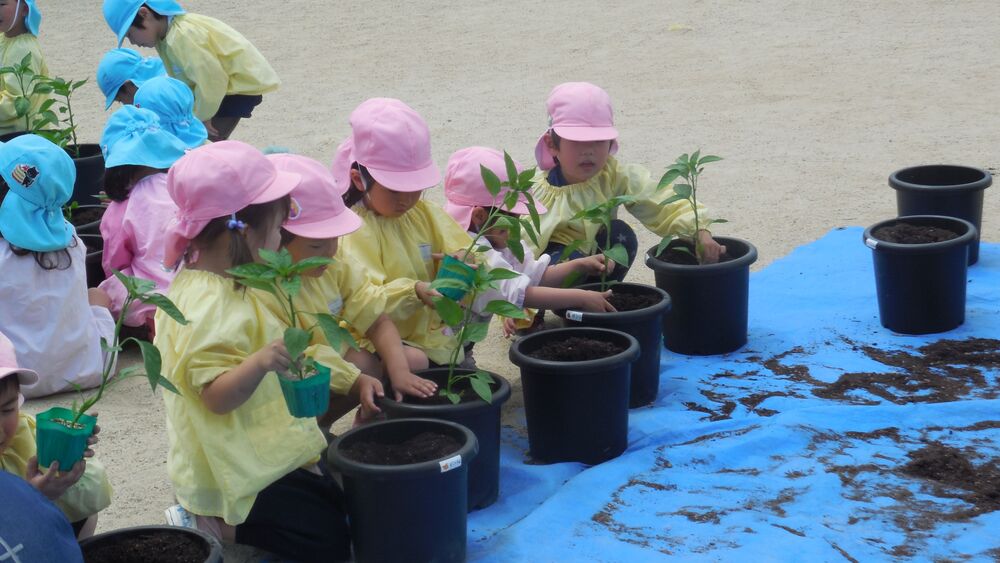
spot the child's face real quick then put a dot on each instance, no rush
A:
(580, 160)
(126, 94)
(8, 9)
(386, 202)
(153, 29)
(301, 248)
(269, 238)
(498, 236)
(8, 414)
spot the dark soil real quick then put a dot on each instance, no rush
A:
(949, 467)
(86, 216)
(674, 256)
(425, 446)
(576, 349)
(906, 233)
(149, 547)
(623, 300)
(463, 389)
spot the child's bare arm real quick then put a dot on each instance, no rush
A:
(231, 389)
(556, 298)
(586, 266)
(389, 345)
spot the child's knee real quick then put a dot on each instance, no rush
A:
(416, 358)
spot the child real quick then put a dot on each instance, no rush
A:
(122, 71)
(578, 171)
(172, 101)
(469, 203)
(387, 164)
(81, 491)
(226, 72)
(19, 22)
(137, 154)
(239, 463)
(55, 323)
(318, 219)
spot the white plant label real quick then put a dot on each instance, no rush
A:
(871, 243)
(451, 463)
(574, 315)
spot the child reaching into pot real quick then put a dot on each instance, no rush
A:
(470, 204)
(81, 491)
(19, 23)
(54, 321)
(137, 154)
(578, 171)
(227, 74)
(318, 219)
(121, 72)
(382, 168)
(243, 469)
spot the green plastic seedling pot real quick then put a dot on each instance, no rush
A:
(447, 271)
(307, 397)
(56, 441)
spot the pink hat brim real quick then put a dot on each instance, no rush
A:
(408, 181)
(344, 223)
(544, 157)
(282, 185)
(462, 214)
(24, 376)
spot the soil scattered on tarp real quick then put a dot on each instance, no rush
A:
(948, 467)
(906, 233)
(576, 349)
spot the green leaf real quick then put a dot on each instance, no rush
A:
(310, 263)
(258, 284)
(296, 341)
(510, 200)
(693, 161)
(152, 363)
(683, 190)
(475, 332)
(143, 286)
(713, 221)
(511, 168)
(673, 198)
(709, 158)
(280, 260)
(291, 285)
(450, 283)
(79, 83)
(664, 244)
(618, 254)
(524, 179)
(480, 383)
(505, 309)
(164, 304)
(22, 106)
(569, 250)
(252, 270)
(527, 227)
(26, 60)
(453, 397)
(491, 180)
(668, 178)
(497, 274)
(336, 335)
(450, 312)
(43, 88)
(533, 211)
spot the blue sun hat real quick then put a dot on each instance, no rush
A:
(34, 19)
(122, 65)
(173, 101)
(41, 177)
(119, 14)
(134, 136)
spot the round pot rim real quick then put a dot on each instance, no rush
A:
(981, 184)
(500, 396)
(879, 245)
(350, 467)
(740, 262)
(521, 359)
(215, 547)
(624, 316)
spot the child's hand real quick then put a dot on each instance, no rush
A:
(409, 383)
(368, 388)
(98, 297)
(710, 250)
(52, 483)
(272, 357)
(593, 265)
(595, 301)
(425, 293)
(92, 440)
(509, 327)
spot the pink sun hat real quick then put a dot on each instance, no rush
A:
(214, 181)
(318, 211)
(393, 142)
(578, 111)
(8, 366)
(465, 190)
(341, 167)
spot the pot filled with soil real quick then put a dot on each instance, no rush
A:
(87, 219)
(307, 397)
(576, 392)
(921, 263)
(639, 312)
(941, 189)
(472, 412)
(152, 544)
(59, 438)
(89, 161)
(95, 253)
(708, 302)
(406, 485)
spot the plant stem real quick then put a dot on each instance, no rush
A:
(108, 363)
(607, 245)
(694, 207)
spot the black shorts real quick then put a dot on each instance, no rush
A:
(238, 105)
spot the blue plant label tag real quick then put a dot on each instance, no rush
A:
(425, 252)
(336, 305)
(871, 243)
(574, 315)
(453, 462)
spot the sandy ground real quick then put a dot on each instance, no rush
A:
(811, 103)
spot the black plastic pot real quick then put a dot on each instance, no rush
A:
(89, 173)
(480, 417)
(95, 253)
(709, 302)
(414, 512)
(941, 189)
(646, 325)
(921, 287)
(576, 411)
(90, 227)
(212, 547)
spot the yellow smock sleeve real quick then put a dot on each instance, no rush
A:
(13, 50)
(671, 219)
(188, 57)
(362, 301)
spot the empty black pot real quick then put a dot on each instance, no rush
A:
(95, 254)
(89, 173)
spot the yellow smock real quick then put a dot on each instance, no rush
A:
(615, 179)
(215, 60)
(12, 50)
(219, 462)
(396, 252)
(88, 496)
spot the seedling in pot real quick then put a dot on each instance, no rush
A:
(602, 214)
(461, 317)
(688, 167)
(54, 118)
(279, 276)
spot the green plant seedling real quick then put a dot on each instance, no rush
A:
(54, 118)
(602, 214)
(461, 318)
(282, 278)
(690, 168)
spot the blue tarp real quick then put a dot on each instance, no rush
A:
(791, 449)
